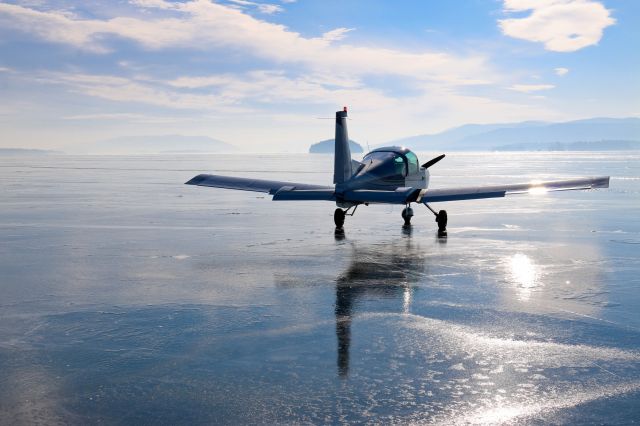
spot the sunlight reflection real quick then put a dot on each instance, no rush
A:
(406, 300)
(523, 272)
(502, 414)
(538, 190)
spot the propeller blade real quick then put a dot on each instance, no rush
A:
(432, 161)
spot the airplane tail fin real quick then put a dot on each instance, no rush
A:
(342, 170)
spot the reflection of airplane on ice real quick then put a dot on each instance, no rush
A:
(389, 175)
(385, 272)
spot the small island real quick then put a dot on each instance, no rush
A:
(328, 146)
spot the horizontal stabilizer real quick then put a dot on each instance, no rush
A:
(477, 192)
(248, 184)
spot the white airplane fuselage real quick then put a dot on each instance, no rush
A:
(419, 179)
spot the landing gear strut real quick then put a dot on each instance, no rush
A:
(441, 220)
(407, 214)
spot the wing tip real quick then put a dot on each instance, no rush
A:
(195, 180)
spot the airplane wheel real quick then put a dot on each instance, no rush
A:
(407, 214)
(441, 220)
(338, 218)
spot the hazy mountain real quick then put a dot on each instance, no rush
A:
(16, 152)
(603, 133)
(328, 147)
(451, 136)
(604, 145)
(159, 144)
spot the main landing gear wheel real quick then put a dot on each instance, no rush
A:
(338, 218)
(407, 214)
(441, 220)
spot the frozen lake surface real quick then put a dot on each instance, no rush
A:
(128, 297)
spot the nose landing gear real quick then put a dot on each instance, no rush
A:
(407, 214)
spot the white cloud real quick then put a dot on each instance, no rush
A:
(336, 35)
(129, 117)
(162, 4)
(562, 25)
(128, 90)
(242, 2)
(269, 8)
(561, 71)
(528, 88)
(260, 110)
(301, 76)
(266, 8)
(249, 97)
(222, 92)
(207, 26)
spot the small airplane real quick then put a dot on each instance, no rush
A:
(388, 175)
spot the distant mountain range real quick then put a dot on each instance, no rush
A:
(159, 144)
(18, 152)
(328, 146)
(596, 134)
(603, 145)
(592, 134)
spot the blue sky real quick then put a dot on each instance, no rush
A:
(258, 74)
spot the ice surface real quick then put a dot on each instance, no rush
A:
(128, 297)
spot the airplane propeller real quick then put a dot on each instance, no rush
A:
(433, 161)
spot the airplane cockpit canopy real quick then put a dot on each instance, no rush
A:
(393, 162)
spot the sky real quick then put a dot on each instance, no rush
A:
(263, 75)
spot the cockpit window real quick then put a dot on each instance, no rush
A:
(399, 165)
(389, 165)
(414, 167)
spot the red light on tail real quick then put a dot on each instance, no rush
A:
(344, 109)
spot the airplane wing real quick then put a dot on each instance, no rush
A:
(256, 185)
(477, 192)
(290, 191)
